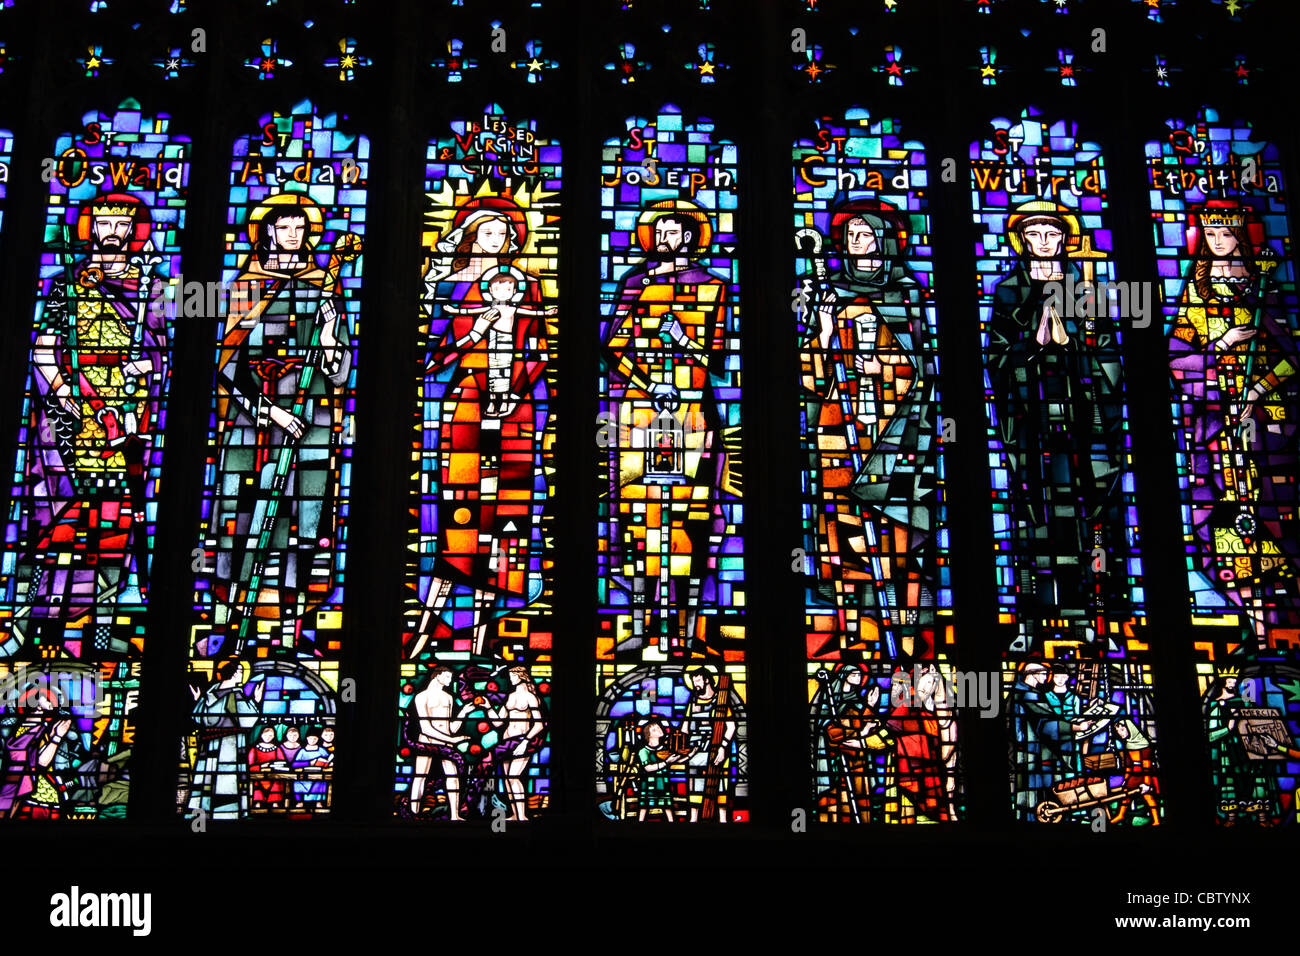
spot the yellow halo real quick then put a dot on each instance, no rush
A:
(645, 232)
(1037, 208)
(311, 212)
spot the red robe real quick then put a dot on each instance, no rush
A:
(479, 520)
(266, 791)
(920, 762)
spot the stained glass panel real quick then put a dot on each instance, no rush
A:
(265, 652)
(671, 586)
(477, 665)
(1220, 214)
(1066, 546)
(878, 621)
(76, 561)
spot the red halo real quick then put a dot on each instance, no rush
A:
(142, 226)
(855, 208)
(505, 207)
(1254, 228)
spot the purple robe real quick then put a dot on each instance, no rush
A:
(1206, 407)
(86, 473)
(20, 753)
(640, 313)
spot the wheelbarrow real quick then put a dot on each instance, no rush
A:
(1081, 793)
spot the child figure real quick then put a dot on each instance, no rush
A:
(654, 791)
(267, 757)
(503, 290)
(312, 757)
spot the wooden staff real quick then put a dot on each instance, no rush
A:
(712, 770)
(346, 248)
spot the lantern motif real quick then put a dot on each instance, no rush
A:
(665, 458)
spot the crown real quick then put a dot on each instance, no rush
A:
(1229, 218)
(113, 209)
(1230, 672)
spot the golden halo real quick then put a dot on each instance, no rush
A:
(1036, 209)
(312, 212)
(645, 233)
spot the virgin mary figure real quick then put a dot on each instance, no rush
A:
(485, 385)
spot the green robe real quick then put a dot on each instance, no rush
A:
(270, 347)
(653, 788)
(1237, 781)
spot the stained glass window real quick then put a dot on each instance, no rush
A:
(670, 639)
(1221, 219)
(266, 647)
(878, 621)
(460, 529)
(76, 562)
(1066, 551)
(6, 154)
(477, 664)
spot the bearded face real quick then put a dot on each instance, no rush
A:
(671, 239)
(110, 233)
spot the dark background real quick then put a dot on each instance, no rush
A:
(983, 878)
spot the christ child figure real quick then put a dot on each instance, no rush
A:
(503, 290)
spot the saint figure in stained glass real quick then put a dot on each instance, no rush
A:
(101, 354)
(1059, 414)
(284, 360)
